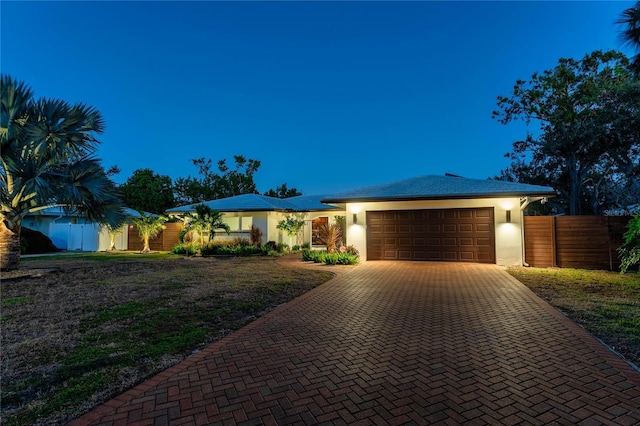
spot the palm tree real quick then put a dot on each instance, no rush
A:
(206, 220)
(47, 148)
(149, 226)
(630, 18)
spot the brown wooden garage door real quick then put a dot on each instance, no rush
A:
(456, 235)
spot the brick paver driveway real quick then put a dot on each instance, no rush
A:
(395, 343)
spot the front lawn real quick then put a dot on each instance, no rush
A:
(87, 327)
(607, 304)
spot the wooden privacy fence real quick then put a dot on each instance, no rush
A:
(587, 242)
(165, 241)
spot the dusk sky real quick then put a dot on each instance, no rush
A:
(329, 96)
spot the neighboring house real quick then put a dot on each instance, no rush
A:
(69, 231)
(439, 218)
(243, 211)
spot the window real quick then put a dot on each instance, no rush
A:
(232, 222)
(246, 222)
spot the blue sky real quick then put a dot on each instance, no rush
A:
(329, 96)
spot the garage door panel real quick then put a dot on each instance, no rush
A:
(404, 255)
(484, 227)
(450, 256)
(465, 242)
(465, 227)
(389, 229)
(450, 242)
(374, 228)
(404, 229)
(419, 255)
(484, 242)
(390, 254)
(466, 214)
(449, 214)
(465, 235)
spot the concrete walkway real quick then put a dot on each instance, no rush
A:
(395, 343)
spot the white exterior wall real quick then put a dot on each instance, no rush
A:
(508, 236)
(122, 239)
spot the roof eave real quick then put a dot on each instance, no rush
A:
(437, 197)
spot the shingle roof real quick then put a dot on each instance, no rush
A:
(255, 202)
(440, 187)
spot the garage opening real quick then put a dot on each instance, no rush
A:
(453, 235)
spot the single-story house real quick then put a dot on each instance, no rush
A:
(243, 211)
(432, 218)
(69, 231)
(440, 218)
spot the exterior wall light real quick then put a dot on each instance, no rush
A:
(508, 218)
(355, 218)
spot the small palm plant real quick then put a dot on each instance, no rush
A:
(330, 236)
(149, 226)
(206, 220)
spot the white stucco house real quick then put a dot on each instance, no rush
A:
(243, 211)
(440, 218)
(428, 218)
(69, 231)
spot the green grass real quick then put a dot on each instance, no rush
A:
(17, 300)
(116, 319)
(607, 304)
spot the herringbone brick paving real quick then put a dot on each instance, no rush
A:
(395, 343)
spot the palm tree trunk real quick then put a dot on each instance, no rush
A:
(146, 248)
(9, 247)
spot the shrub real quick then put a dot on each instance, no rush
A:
(629, 251)
(305, 246)
(347, 259)
(33, 242)
(255, 234)
(323, 256)
(282, 247)
(350, 249)
(271, 245)
(295, 248)
(185, 249)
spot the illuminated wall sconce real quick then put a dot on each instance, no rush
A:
(355, 218)
(508, 218)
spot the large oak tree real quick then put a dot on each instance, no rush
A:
(585, 116)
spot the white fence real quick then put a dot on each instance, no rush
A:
(70, 236)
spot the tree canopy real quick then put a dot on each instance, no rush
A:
(283, 192)
(148, 191)
(212, 186)
(586, 119)
(47, 148)
(630, 35)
